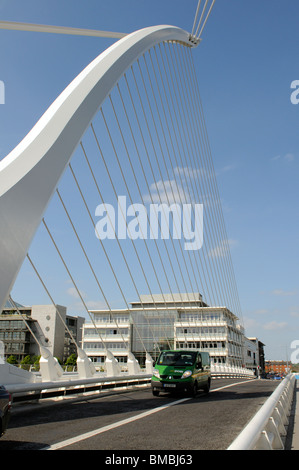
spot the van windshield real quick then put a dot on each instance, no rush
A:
(176, 358)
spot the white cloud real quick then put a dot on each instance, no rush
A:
(294, 312)
(225, 169)
(72, 291)
(261, 311)
(250, 323)
(90, 304)
(167, 192)
(274, 325)
(176, 190)
(288, 157)
(189, 173)
(222, 250)
(283, 293)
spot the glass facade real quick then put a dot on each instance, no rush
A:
(152, 331)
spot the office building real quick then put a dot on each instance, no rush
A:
(19, 326)
(167, 321)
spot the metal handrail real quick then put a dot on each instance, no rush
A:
(268, 426)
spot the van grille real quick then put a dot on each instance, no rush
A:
(171, 375)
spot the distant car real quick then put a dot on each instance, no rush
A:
(5, 407)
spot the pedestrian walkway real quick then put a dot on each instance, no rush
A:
(292, 442)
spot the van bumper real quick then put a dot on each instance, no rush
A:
(162, 386)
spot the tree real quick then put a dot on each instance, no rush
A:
(26, 360)
(12, 360)
(71, 360)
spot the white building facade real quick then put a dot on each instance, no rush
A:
(110, 330)
(159, 322)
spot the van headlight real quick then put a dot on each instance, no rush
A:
(156, 373)
(186, 374)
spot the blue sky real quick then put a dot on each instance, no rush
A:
(245, 65)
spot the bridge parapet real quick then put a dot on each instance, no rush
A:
(266, 431)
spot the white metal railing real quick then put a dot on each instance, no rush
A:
(71, 383)
(66, 387)
(222, 370)
(268, 427)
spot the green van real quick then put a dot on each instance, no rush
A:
(182, 370)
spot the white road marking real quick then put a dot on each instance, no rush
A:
(87, 435)
(227, 386)
(103, 429)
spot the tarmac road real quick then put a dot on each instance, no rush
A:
(135, 420)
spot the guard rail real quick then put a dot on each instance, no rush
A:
(267, 429)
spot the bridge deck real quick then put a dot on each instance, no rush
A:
(205, 423)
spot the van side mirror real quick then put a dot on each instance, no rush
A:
(198, 365)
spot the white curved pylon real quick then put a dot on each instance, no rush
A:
(30, 174)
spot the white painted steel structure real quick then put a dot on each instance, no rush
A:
(30, 174)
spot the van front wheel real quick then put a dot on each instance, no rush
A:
(207, 387)
(194, 390)
(155, 393)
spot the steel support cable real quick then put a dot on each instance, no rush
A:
(153, 146)
(88, 261)
(102, 245)
(141, 196)
(178, 131)
(149, 161)
(24, 321)
(201, 115)
(141, 164)
(195, 18)
(165, 120)
(161, 121)
(129, 193)
(149, 192)
(71, 277)
(201, 18)
(186, 139)
(147, 124)
(100, 194)
(202, 119)
(221, 266)
(155, 153)
(51, 298)
(205, 21)
(191, 140)
(160, 146)
(41, 28)
(175, 132)
(178, 108)
(134, 247)
(115, 193)
(198, 151)
(163, 157)
(139, 190)
(174, 113)
(237, 313)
